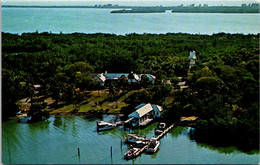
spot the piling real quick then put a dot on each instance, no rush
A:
(121, 144)
(111, 151)
(78, 152)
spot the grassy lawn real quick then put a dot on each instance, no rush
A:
(99, 102)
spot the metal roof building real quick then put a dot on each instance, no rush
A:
(142, 111)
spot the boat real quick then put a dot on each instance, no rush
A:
(153, 146)
(139, 144)
(160, 129)
(102, 126)
(131, 153)
(132, 138)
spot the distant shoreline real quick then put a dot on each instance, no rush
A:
(158, 9)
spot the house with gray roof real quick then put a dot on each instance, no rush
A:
(103, 77)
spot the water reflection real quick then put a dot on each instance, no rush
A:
(223, 149)
(36, 127)
(176, 131)
(226, 149)
(60, 123)
(57, 122)
(154, 155)
(74, 127)
(45, 140)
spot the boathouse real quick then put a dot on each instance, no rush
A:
(144, 114)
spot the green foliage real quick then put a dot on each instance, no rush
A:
(12, 91)
(122, 83)
(159, 92)
(37, 112)
(145, 81)
(223, 85)
(175, 80)
(137, 98)
(174, 113)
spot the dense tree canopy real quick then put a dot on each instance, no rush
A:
(223, 84)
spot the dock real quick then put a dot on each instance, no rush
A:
(145, 122)
(157, 138)
(120, 123)
(141, 150)
(165, 132)
(138, 153)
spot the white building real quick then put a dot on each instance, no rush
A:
(144, 114)
(192, 58)
(192, 55)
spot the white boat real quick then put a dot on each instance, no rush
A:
(131, 153)
(160, 129)
(132, 138)
(139, 144)
(153, 146)
(102, 125)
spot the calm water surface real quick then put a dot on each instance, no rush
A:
(20, 20)
(57, 142)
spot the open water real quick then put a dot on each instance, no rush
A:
(56, 20)
(57, 141)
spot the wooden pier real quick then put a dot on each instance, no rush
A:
(164, 132)
(141, 151)
(157, 138)
(146, 122)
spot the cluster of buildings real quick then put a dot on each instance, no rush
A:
(136, 78)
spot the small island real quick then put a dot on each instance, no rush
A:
(244, 8)
(192, 8)
(141, 10)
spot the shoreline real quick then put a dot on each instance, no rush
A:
(150, 9)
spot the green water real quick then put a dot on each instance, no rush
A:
(57, 141)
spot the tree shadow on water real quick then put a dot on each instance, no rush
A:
(220, 146)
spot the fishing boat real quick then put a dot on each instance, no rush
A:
(131, 153)
(139, 144)
(153, 146)
(132, 138)
(102, 126)
(160, 129)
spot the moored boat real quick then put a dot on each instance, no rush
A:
(153, 146)
(139, 144)
(131, 153)
(132, 138)
(102, 126)
(160, 129)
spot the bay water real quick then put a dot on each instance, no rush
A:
(57, 140)
(68, 20)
